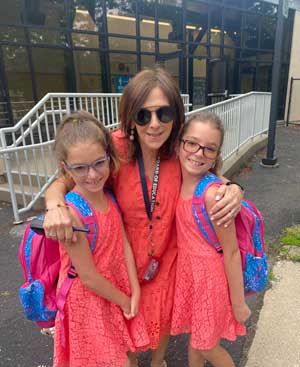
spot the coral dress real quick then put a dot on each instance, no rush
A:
(157, 296)
(97, 334)
(202, 303)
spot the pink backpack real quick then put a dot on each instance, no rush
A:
(40, 259)
(250, 235)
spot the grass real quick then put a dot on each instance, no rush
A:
(289, 243)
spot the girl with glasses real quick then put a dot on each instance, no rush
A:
(94, 330)
(209, 301)
(147, 187)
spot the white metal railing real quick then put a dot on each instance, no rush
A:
(244, 117)
(26, 148)
(27, 153)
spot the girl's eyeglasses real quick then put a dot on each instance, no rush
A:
(143, 116)
(82, 170)
(192, 147)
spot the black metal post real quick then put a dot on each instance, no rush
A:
(270, 160)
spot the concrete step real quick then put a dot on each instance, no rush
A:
(5, 195)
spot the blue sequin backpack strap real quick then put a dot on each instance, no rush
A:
(249, 230)
(89, 221)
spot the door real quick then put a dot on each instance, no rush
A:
(217, 80)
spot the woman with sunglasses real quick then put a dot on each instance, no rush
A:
(147, 188)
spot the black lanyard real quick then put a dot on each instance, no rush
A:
(149, 207)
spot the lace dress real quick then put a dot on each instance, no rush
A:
(157, 296)
(202, 303)
(97, 334)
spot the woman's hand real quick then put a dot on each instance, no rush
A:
(241, 312)
(58, 223)
(229, 199)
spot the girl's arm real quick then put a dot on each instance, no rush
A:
(82, 259)
(133, 278)
(232, 262)
(58, 219)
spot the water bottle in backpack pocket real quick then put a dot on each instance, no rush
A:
(249, 231)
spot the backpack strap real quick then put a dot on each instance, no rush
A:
(200, 213)
(89, 221)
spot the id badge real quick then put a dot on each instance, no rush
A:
(152, 270)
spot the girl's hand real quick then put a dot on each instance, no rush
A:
(58, 223)
(229, 199)
(126, 308)
(241, 312)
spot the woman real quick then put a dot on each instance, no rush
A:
(151, 115)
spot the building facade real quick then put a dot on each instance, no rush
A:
(212, 48)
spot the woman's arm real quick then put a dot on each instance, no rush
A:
(58, 219)
(82, 259)
(232, 262)
(133, 278)
(226, 204)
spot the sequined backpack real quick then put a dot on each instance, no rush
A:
(40, 259)
(249, 231)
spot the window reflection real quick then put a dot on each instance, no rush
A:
(13, 12)
(50, 67)
(250, 33)
(85, 40)
(45, 13)
(45, 36)
(122, 68)
(82, 20)
(11, 34)
(88, 71)
(268, 30)
(121, 17)
(147, 61)
(17, 73)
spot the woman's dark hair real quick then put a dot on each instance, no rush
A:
(81, 127)
(133, 98)
(207, 118)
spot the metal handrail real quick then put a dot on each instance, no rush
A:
(28, 156)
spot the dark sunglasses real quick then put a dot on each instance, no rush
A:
(143, 116)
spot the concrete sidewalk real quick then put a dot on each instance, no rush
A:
(277, 339)
(276, 192)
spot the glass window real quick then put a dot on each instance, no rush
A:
(254, 5)
(45, 36)
(215, 52)
(250, 32)
(196, 21)
(167, 47)
(12, 13)
(232, 28)
(247, 76)
(172, 65)
(215, 25)
(147, 21)
(85, 40)
(82, 19)
(170, 20)
(264, 77)
(45, 13)
(50, 70)
(122, 68)
(124, 44)
(235, 3)
(88, 71)
(268, 30)
(147, 61)
(121, 17)
(199, 82)
(147, 46)
(18, 73)
(197, 50)
(11, 34)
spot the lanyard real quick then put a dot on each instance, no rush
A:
(149, 206)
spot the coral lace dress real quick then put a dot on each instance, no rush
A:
(202, 303)
(97, 334)
(156, 296)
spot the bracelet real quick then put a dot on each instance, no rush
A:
(235, 183)
(57, 206)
